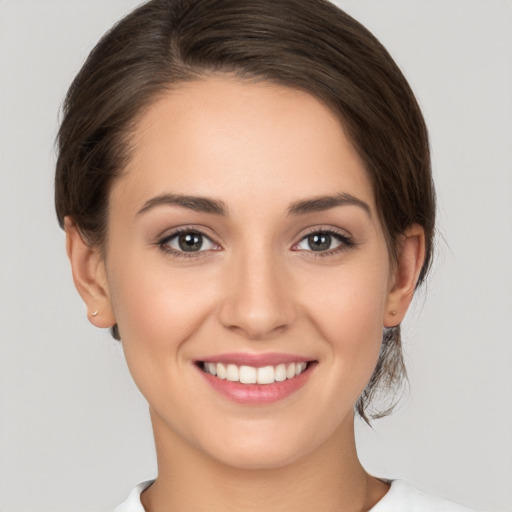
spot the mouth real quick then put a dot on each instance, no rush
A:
(263, 375)
(256, 380)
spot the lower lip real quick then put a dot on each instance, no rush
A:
(257, 394)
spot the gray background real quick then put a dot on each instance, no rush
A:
(75, 433)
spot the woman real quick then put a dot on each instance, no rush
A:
(248, 204)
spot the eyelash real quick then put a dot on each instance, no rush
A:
(182, 254)
(346, 242)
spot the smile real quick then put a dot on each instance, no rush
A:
(253, 375)
(256, 379)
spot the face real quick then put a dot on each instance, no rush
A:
(243, 241)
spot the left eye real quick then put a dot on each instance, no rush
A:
(320, 241)
(189, 241)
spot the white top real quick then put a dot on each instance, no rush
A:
(401, 497)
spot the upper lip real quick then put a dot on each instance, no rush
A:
(255, 360)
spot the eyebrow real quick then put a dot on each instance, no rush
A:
(322, 203)
(198, 204)
(217, 207)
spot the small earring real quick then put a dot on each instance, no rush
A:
(393, 313)
(94, 313)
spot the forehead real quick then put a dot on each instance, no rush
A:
(223, 137)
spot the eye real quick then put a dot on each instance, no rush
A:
(187, 242)
(322, 241)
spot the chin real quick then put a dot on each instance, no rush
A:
(259, 453)
(259, 460)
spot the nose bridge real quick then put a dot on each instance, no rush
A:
(257, 301)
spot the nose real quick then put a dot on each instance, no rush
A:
(258, 301)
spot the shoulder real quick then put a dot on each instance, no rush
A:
(132, 503)
(404, 497)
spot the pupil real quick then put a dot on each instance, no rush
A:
(319, 242)
(190, 242)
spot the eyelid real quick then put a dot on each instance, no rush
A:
(163, 241)
(346, 240)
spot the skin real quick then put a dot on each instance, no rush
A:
(258, 287)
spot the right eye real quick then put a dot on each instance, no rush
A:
(187, 241)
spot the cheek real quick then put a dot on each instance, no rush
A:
(348, 300)
(347, 308)
(157, 309)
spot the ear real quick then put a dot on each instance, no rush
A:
(88, 267)
(405, 273)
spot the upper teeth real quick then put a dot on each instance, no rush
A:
(252, 375)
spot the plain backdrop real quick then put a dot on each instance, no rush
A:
(74, 430)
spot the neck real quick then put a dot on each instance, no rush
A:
(330, 478)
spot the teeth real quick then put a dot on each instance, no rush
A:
(266, 375)
(221, 371)
(232, 373)
(299, 368)
(290, 371)
(252, 375)
(247, 375)
(280, 373)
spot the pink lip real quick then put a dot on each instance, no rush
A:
(256, 360)
(257, 394)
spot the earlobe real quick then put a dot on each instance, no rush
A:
(89, 276)
(410, 258)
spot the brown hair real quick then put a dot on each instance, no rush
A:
(306, 44)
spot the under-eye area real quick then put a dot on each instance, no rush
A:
(245, 374)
